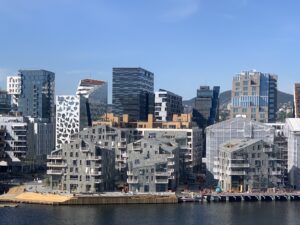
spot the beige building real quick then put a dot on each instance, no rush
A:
(179, 121)
(254, 96)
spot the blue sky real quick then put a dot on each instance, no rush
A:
(186, 43)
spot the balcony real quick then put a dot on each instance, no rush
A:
(84, 149)
(55, 172)
(132, 181)
(94, 158)
(171, 157)
(161, 181)
(98, 165)
(242, 165)
(98, 181)
(171, 163)
(216, 170)
(54, 156)
(275, 173)
(162, 174)
(96, 173)
(236, 173)
(52, 164)
(129, 173)
(216, 163)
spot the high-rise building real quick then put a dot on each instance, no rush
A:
(133, 92)
(75, 112)
(254, 95)
(297, 100)
(206, 106)
(5, 102)
(33, 93)
(95, 91)
(166, 105)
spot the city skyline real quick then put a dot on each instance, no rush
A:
(194, 41)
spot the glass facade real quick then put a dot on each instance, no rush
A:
(133, 92)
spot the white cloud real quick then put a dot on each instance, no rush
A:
(181, 9)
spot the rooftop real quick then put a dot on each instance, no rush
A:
(89, 82)
(237, 144)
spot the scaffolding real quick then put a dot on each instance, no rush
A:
(236, 128)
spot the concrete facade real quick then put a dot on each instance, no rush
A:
(166, 105)
(153, 165)
(81, 167)
(248, 165)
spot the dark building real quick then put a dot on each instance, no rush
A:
(297, 100)
(206, 106)
(5, 102)
(133, 92)
(33, 93)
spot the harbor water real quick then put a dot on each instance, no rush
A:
(235, 213)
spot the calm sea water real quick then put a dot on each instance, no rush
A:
(265, 213)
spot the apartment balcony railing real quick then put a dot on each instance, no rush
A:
(55, 172)
(236, 173)
(98, 181)
(51, 164)
(162, 174)
(171, 163)
(129, 173)
(239, 165)
(161, 181)
(132, 181)
(84, 149)
(275, 173)
(94, 158)
(54, 156)
(96, 173)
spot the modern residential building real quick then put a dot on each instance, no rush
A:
(33, 93)
(190, 149)
(180, 126)
(5, 102)
(75, 112)
(206, 106)
(71, 117)
(254, 95)
(40, 139)
(166, 105)
(13, 132)
(153, 165)
(81, 167)
(248, 165)
(133, 93)
(297, 100)
(236, 128)
(292, 132)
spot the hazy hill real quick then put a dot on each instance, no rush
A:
(225, 98)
